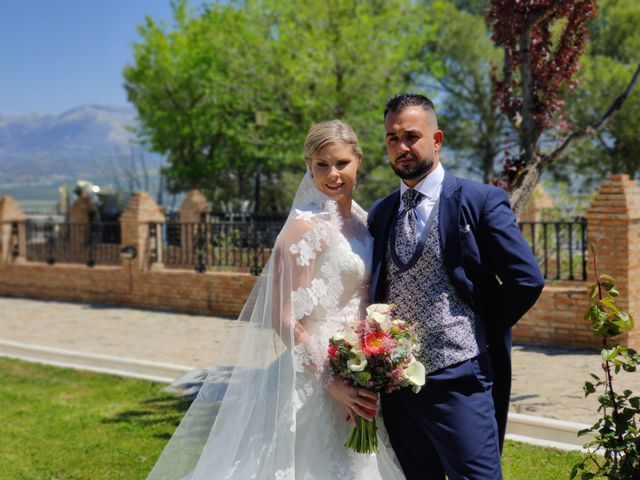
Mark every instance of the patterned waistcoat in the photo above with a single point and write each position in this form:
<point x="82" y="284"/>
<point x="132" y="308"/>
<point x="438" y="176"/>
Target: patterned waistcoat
<point x="446" y="326"/>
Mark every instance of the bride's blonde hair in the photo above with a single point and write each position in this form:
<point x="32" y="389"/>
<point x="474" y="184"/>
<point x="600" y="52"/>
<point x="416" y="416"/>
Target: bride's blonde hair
<point x="325" y="133"/>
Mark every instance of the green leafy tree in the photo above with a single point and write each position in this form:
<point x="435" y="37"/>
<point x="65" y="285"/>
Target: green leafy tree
<point x="196" y="89"/>
<point x="473" y="126"/>
<point x="612" y="56"/>
<point x="240" y="84"/>
<point x="543" y="42"/>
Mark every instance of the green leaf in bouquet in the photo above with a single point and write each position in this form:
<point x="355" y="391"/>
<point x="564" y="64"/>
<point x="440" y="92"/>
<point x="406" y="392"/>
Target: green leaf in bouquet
<point x="363" y="377"/>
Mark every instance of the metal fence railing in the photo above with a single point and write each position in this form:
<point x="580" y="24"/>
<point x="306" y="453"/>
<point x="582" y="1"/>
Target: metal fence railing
<point x="236" y="243"/>
<point x="220" y="245"/>
<point x="560" y="247"/>
<point x="95" y="243"/>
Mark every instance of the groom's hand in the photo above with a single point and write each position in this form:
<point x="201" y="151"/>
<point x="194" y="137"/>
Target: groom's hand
<point x="356" y="401"/>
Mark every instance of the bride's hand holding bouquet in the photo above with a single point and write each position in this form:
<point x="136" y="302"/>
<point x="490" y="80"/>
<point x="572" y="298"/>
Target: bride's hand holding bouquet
<point x="374" y="354"/>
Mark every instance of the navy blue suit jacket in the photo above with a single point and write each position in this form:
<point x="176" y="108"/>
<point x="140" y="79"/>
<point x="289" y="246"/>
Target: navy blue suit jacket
<point x="490" y="264"/>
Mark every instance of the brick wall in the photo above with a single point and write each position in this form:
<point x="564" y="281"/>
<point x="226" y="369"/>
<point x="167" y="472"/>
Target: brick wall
<point x="214" y="293"/>
<point x="557" y="318"/>
<point x="133" y="282"/>
<point x="613" y="227"/>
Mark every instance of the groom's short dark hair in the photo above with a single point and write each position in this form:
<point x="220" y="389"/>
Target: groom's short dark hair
<point x="403" y="101"/>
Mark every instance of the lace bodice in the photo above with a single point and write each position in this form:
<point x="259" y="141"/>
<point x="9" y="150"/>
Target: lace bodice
<point x="340" y="273"/>
<point x="330" y="266"/>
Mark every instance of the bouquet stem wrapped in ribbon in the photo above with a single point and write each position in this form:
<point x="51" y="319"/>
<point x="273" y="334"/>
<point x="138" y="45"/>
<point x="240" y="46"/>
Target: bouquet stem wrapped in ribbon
<point x="376" y="353"/>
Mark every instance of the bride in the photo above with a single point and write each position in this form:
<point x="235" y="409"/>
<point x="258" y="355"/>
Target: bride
<point x="282" y="415"/>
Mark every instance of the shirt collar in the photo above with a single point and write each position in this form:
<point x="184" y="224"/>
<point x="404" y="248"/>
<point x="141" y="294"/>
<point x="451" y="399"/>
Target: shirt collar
<point x="430" y="185"/>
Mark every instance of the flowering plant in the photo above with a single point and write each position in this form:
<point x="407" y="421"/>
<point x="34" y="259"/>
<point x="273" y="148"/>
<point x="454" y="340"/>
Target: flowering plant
<point x="376" y="353"/>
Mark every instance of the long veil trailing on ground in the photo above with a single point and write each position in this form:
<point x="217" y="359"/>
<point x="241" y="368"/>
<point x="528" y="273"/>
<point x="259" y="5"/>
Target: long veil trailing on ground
<point x="247" y="424"/>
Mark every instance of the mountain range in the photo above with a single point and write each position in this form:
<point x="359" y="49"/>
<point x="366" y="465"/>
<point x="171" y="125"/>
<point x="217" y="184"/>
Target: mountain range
<point x="79" y="143"/>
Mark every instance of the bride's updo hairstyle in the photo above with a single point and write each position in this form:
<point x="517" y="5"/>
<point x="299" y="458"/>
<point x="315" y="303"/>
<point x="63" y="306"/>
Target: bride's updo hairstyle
<point x="326" y="133"/>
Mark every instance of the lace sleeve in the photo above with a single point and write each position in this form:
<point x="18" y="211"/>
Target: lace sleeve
<point x="302" y="287"/>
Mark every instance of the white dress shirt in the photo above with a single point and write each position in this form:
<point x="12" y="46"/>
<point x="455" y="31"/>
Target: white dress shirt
<point x="430" y="186"/>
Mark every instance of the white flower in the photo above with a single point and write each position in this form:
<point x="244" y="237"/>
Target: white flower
<point x="381" y="319"/>
<point x="380" y="308"/>
<point x="415" y="373"/>
<point x="349" y="336"/>
<point x="381" y="314"/>
<point x="358" y="363"/>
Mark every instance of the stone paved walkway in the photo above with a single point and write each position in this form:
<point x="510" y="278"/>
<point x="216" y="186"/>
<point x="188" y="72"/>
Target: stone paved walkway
<point x="546" y="381"/>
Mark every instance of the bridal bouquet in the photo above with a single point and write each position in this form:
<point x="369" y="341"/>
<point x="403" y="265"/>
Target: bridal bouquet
<point x="377" y="353"/>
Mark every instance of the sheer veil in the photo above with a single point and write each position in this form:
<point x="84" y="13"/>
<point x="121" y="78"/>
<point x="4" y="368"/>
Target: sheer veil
<point x="244" y="421"/>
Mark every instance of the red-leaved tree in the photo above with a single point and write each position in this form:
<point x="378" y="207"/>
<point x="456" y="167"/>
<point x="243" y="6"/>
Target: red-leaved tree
<point x="543" y="41"/>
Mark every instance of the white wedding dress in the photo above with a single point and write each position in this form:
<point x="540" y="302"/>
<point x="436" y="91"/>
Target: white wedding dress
<point x="275" y="418"/>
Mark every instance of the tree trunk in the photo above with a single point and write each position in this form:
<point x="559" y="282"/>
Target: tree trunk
<point x="525" y="183"/>
<point x="528" y="137"/>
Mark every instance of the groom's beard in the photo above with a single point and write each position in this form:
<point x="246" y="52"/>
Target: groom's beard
<point x="419" y="169"/>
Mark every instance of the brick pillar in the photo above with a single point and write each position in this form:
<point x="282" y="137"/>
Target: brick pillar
<point x="11" y="218"/>
<point x="80" y="213"/>
<point x="193" y="209"/>
<point x="613" y="226"/>
<point x="134" y="223"/>
<point x="193" y="206"/>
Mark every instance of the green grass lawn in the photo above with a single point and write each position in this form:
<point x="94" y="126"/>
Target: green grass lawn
<point x="61" y="424"/>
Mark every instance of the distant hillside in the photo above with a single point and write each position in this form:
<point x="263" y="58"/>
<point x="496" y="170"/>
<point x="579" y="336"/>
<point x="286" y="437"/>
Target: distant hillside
<point x="79" y="143"/>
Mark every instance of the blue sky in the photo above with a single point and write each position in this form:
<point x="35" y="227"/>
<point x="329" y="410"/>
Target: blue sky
<point x="58" y="54"/>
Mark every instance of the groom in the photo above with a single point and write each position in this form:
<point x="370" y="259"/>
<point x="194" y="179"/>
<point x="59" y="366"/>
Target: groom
<point x="449" y="254"/>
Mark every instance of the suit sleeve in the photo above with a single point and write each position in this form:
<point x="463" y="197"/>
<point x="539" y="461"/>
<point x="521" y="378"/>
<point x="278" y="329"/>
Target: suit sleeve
<point x="510" y="256"/>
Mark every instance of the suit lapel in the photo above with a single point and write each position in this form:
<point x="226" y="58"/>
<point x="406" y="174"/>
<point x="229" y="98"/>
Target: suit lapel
<point x="449" y="221"/>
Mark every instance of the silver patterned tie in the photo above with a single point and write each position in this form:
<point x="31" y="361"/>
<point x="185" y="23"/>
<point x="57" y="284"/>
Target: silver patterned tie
<point x="406" y="233"/>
